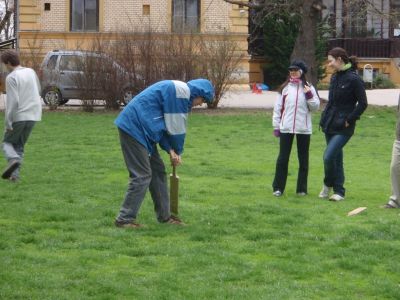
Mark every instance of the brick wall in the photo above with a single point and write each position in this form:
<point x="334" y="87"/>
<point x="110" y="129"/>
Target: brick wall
<point x="128" y="14"/>
<point x="115" y="15"/>
<point x="56" y="19"/>
<point x="215" y="16"/>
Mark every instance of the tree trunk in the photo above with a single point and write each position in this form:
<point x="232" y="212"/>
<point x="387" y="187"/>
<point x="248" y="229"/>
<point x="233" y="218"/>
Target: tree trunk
<point x="305" y="45"/>
<point x="6" y="18"/>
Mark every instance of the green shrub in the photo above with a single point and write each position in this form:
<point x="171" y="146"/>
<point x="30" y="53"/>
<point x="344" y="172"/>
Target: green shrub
<point x="381" y="82"/>
<point x="280" y="32"/>
<point x="323" y="86"/>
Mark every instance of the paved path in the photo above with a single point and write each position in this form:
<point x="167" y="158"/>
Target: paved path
<point x="247" y="99"/>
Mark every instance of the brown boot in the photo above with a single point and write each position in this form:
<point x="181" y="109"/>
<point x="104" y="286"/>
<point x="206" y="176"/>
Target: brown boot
<point x="174" y="220"/>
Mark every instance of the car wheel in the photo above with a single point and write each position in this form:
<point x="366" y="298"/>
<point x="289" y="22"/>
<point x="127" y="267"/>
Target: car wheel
<point x="52" y="96"/>
<point x="127" y="95"/>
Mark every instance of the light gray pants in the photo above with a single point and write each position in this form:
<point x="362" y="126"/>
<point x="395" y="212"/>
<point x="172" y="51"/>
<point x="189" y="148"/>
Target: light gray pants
<point x="145" y="172"/>
<point x="14" y="142"/>
<point x="395" y="175"/>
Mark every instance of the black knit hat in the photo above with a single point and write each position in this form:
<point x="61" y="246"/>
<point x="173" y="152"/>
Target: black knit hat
<point x="298" y="64"/>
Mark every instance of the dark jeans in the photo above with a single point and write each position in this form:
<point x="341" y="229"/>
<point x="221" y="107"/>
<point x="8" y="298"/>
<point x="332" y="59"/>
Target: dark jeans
<point x="14" y="142"/>
<point x="281" y="172"/>
<point x="145" y="172"/>
<point x="333" y="162"/>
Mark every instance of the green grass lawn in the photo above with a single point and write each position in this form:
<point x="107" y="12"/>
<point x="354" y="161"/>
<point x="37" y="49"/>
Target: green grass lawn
<point x="57" y="239"/>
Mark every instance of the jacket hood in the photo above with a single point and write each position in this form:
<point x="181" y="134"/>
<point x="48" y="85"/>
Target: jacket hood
<point x="201" y="88"/>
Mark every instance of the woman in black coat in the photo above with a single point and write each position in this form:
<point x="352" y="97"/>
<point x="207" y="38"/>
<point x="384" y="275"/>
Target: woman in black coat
<point x="347" y="101"/>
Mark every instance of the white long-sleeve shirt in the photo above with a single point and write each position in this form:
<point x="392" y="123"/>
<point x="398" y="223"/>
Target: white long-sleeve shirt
<point x="292" y="111"/>
<point x="23" y="101"/>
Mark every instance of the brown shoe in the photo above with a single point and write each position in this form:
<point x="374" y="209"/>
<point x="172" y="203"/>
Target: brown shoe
<point x="174" y="220"/>
<point x="12" y="166"/>
<point x="127" y="225"/>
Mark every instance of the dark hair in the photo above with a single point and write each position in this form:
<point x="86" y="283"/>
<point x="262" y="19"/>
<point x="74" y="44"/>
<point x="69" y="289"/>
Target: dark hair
<point x="299" y="64"/>
<point x="11" y="57"/>
<point x="340" y="52"/>
<point x="282" y="86"/>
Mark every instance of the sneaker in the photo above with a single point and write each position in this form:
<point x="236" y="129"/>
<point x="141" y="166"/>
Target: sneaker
<point x="12" y="166"/>
<point x="325" y="191"/>
<point x="336" y="197"/>
<point x="277" y="193"/>
<point x="391" y="204"/>
<point x="387" y="205"/>
<point x="126" y="225"/>
<point x="174" y="220"/>
<point x="301" y="194"/>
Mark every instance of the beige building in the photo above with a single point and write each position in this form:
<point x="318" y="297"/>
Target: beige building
<point x="45" y="25"/>
<point x="368" y="33"/>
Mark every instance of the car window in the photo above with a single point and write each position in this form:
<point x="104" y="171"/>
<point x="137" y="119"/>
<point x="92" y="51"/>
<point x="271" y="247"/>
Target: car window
<point x="51" y="65"/>
<point x="71" y="63"/>
<point x="94" y="60"/>
<point x="98" y="63"/>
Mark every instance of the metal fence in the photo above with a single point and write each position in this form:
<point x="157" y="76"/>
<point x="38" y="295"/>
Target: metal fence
<point x="8" y="44"/>
<point x="380" y="48"/>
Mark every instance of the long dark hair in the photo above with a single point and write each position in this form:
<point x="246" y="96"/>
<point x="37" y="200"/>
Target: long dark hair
<point x="303" y="79"/>
<point x="340" y="52"/>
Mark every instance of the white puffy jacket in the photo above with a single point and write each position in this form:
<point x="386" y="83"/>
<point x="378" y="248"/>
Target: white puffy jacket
<point x="292" y="111"/>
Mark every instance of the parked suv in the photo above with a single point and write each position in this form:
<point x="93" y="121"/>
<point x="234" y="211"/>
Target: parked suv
<point x="61" y="70"/>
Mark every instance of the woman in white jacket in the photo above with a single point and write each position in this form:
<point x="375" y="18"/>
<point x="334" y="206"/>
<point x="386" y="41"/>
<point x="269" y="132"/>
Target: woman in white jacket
<point x="292" y="117"/>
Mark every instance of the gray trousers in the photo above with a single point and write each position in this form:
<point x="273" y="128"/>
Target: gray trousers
<point x="145" y="172"/>
<point x="395" y="175"/>
<point x="14" y="142"/>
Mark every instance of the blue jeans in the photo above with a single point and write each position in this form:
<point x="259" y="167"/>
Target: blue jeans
<point x="333" y="162"/>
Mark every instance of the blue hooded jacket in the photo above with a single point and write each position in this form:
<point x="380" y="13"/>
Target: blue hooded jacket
<point x="159" y="113"/>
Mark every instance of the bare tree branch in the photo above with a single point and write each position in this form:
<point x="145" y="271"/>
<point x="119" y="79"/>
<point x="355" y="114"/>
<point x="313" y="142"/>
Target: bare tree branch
<point x="6" y="18"/>
<point x="7" y="22"/>
<point x="267" y="6"/>
<point x="245" y="3"/>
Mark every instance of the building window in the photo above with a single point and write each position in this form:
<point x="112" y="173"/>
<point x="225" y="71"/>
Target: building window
<point x="84" y="15"/>
<point x="51" y="65"/>
<point x="395" y="22"/>
<point x="355" y="16"/>
<point x="146" y="10"/>
<point x="185" y="15"/>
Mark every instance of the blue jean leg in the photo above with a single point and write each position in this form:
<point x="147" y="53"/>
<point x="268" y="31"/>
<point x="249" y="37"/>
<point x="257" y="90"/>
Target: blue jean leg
<point x="333" y="162"/>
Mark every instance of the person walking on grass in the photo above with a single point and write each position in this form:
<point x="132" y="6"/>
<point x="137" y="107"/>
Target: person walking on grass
<point x="157" y="115"/>
<point x="292" y="118"/>
<point x="394" y="199"/>
<point x="23" y="109"/>
<point x="347" y="101"/>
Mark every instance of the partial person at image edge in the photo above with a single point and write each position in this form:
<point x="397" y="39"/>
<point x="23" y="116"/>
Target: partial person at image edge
<point x="292" y="118"/>
<point x="23" y="109"/>
<point x="158" y="115"/>
<point x="346" y="102"/>
<point x="394" y="199"/>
